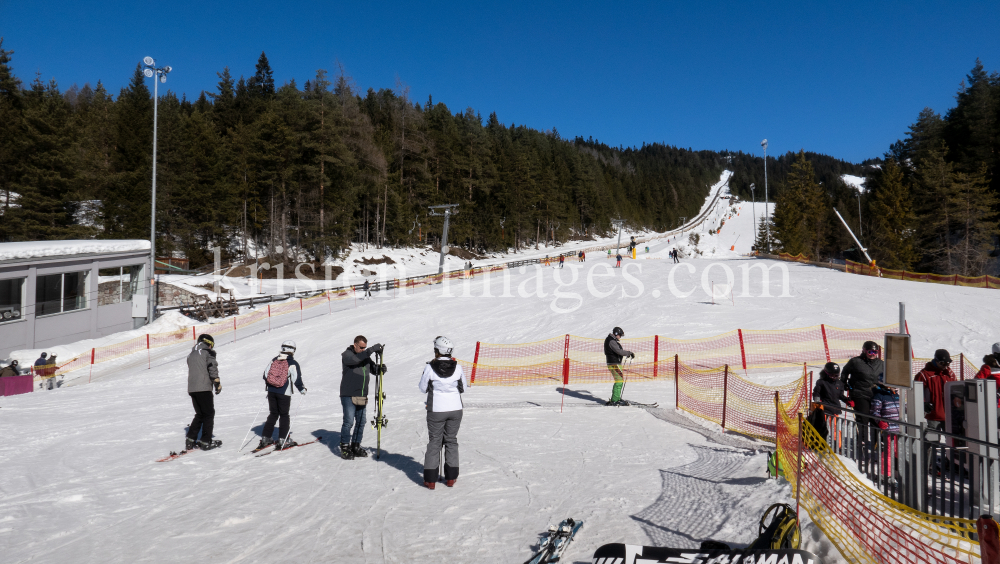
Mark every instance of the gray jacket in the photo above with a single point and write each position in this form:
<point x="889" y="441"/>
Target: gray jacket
<point x="203" y="368"/>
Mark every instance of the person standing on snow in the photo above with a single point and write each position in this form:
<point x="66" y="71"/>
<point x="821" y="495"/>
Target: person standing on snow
<point x="562" y="260"/>
<point x="10" y="370"/>
<point x="203" y="376"/>
<point x="367" y="288"/>
<point x="885" y="404"/>
<point x="614" y="354"/>
<point x="619" y="258"/>
<point x="358" y="368"/>
<point x="282" y="373"/>
<point x="443" y="380"/>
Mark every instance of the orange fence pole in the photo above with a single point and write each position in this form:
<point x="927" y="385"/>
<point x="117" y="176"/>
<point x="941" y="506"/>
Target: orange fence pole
<point x="92" y="354"/>
<point x="475" y="363"/>
<point x="566" y="363"/>
<point x="743" y="352"/>
<point x="268" y="318"/>
<point x="826" y="345"/>
<point x="149" y="358"/>
<point x="677" y="383"/>
<point x="234" y="328"/>
<point x="656" y="355"/>
<point x="301" y="315"/>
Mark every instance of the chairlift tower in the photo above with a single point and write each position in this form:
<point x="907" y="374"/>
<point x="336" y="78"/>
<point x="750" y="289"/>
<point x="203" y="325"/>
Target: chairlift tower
<point x="447" y="210"/>
<point x="618" y="223"/>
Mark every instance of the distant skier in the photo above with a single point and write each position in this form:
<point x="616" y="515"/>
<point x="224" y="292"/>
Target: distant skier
<point x="367" y="288"/>
<point x="614" y="354"/>
<point x="282" y="373"/>
<point x="675" y="256"/>
<point x="203" y="376"/>
<point x="562" y="261"/>
<point x="358" y="368"/>
<point x="619" y="259"/>
<point x="10" y="370"/>
<point x="444" y="383"/>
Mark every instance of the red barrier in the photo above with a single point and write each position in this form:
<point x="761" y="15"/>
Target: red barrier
<point x="14" y="385"/>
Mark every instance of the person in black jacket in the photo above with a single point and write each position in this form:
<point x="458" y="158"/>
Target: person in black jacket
<point x="862" y="374"/>
<point x="358" y="368"/>
<point x="829" y="389"/>
<point x="614" y="354"/>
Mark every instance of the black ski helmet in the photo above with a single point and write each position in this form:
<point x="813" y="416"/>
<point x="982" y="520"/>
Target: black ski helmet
<point x="207" y="339"/>
<point x="618" y="332"/>
<point x="832" y="370"/>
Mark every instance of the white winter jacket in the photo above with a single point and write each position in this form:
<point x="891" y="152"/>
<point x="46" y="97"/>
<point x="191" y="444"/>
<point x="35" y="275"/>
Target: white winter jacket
<point x="444" y="382"/>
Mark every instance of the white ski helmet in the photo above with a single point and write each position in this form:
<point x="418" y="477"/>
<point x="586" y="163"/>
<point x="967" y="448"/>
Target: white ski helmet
<point x="443" y="346"/>
<point x="288" y="347"/>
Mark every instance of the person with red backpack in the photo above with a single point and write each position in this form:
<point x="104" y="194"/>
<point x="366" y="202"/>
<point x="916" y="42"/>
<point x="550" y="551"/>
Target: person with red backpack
<point x="282" y="373"/>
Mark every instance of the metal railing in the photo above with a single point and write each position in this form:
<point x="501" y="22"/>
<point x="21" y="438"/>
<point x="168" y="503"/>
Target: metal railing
<point x="923" y="468"/>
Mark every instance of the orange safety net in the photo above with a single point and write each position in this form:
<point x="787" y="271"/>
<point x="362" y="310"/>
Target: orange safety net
<point x="864" y="525"/>
<point x="983" y="281"/>
<point x="734" y="403"/>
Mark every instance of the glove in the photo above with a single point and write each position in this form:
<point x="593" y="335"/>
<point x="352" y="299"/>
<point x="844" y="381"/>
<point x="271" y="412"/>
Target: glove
<point x="631" y="355"/>
<point x="377" y="347"/>
<point x="383" y="369"/>
<point x="928" y="406"/>
<point x="303" y="391"/>
<point x="218" y="386"/>
<point x="850" y="404"/>
<point x="883" y="425"/>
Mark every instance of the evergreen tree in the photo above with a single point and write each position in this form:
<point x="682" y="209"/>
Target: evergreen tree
<point x="891" y="219"/>
<point x="12" y="136"/>
<point x="801" y="211"/>
<point x="127" y="195"/>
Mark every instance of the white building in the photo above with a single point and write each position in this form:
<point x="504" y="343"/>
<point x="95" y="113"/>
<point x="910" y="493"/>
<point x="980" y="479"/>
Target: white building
<point x="58" y="292"/>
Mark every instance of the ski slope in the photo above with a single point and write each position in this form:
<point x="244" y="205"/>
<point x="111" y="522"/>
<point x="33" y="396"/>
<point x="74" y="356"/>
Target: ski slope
<point x="80" y="482"/>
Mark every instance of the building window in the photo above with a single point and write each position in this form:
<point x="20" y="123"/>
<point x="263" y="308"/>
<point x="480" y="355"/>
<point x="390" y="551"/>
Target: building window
<point x="11" y="299"/>
<point x="118" y="284"/>
<point x="57" y="293"/>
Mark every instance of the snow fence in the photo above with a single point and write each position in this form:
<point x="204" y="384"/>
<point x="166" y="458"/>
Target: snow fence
<point x="864" y="525"/>
<point x="984" y="281"/>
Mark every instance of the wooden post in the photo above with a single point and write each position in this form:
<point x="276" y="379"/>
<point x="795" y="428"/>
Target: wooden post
<point x="677" y="383"/>
<point x="725" y="392"/>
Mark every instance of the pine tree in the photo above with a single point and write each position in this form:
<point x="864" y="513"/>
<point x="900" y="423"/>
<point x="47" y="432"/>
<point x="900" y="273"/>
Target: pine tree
<point x="12" y="137"/>
<point x="127" y="195"/>
<point x="891" y="218"/>
<point x="801" y="210"/>
<point x="936" y="210"/>
<point x="975" y="216"/>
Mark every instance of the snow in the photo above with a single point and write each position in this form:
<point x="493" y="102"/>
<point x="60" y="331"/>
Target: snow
<point x="857" y="182"/>
<point x="81" y="478"/>
<point x="46" y="249"/>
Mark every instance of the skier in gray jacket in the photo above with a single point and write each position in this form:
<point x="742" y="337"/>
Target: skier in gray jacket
<point x="203" y="376"/>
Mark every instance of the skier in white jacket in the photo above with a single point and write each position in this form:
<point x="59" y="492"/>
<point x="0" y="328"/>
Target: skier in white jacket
<point x="444" y="383"/>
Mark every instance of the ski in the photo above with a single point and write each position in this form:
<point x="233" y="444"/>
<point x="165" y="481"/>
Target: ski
<point x="633" y="554"/>
<point x="380" y="420"/>
<point x="556" y="541"/>
<point x="272" y="451"/>
<point x="630" y="403"/>
<point x="175" y="455"/>
<point x="258" y="450"/>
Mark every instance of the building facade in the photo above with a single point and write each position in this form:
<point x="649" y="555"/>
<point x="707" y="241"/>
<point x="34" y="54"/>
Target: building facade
<point x="58" y="292"/>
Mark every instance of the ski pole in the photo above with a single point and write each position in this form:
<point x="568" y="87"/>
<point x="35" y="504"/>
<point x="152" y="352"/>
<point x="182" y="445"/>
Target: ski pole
<point x="624" y="377"/>
<point x="288" y="435"/>
<point x="251" y="424"/>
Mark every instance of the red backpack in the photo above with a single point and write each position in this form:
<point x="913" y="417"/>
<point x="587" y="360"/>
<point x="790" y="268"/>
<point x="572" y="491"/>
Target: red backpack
<point x="277" y="373"/>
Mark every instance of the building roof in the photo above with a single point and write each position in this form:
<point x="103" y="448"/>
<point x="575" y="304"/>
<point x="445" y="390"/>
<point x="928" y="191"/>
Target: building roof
<point x="52" y="249"/>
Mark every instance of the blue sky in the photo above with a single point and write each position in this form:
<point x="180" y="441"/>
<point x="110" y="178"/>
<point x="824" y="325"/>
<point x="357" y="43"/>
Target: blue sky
<point x="843" y="78"/>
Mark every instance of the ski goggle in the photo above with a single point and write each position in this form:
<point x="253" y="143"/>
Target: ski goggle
<point x="871" y="352"/>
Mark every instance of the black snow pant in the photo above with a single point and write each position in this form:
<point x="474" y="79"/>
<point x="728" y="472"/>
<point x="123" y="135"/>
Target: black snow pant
<point x="442" y="428"/>
<point x="863" y="405"/>
<point x="279" y="405"/>
<point x="204" y="416"/>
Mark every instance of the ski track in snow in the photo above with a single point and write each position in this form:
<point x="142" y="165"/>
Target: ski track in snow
<point x="81" y="482"/>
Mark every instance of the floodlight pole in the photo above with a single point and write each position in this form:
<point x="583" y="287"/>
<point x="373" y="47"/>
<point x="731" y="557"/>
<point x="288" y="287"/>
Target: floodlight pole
<point x="753" y="196"/>
<point x="158" y="74"/>
<point x="767" y="215"/>
<point x="447" y="213"/>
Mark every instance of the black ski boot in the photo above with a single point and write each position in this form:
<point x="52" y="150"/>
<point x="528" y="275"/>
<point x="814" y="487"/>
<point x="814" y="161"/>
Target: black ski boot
<point x="264" y="443"/>
<point x="345" y="451"/>
<point x="358" y="451"/>
<point x="189" y="444"/>
<point x="287" y="443"/>
<point x="208" y="445"/>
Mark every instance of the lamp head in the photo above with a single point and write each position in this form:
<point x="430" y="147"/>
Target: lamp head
<point x="163" y="79"/>
<point x="764" y="144"/>
<point x="148" y="61"/>
<point x="168" y="68"/>
<point x="148" y="73"/>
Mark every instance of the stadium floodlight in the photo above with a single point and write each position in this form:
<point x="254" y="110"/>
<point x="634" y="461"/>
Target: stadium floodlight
<point x="753" y="196"/>
<point x="168" y="68"/>
<point x="767" y="215"/>
<point x="152" y="71"/>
